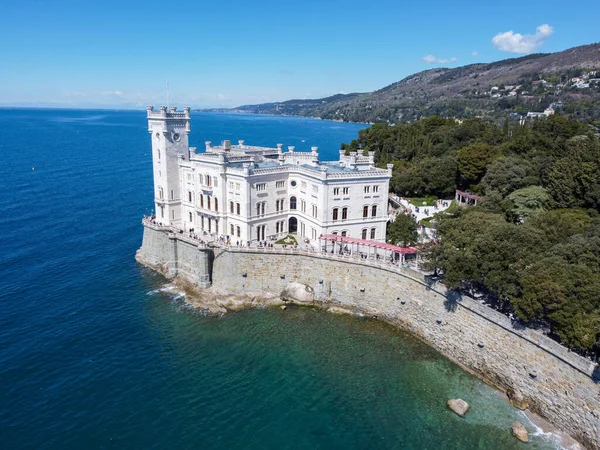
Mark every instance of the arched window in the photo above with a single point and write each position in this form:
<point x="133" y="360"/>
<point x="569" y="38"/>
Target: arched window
<point x="189" y="196"/>
<point x="262" y="210"/>
<point x="216" y="205"/>
<point x="374" y="211"/>
<point x="239" y="232"/>
<point x="208" y="202"/>
<point x="365" y="211"/>
<point x="258" y="209"/>
<point x="161" y="193"/>
<point x="191" y="218"/>
<point x="201" y="201"/>
<point x="364" y="233"/>
<point x="335" y="213"/>
<point x="237" y="208"/>
<point x="344" y="213"/>
<point x="231" y="208"/>
<point x="373" y="233"/>
<point x="231" y="228"/>
<point x="344" y="233"/>
<point x="292" y="202"/>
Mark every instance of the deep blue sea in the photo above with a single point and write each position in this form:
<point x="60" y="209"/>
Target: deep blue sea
<point x="97" y="352"/>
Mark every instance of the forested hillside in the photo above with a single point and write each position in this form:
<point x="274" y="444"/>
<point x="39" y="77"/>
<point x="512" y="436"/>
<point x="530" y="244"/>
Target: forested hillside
<point x="493" y="90"/>
<point x="532" y="246"/>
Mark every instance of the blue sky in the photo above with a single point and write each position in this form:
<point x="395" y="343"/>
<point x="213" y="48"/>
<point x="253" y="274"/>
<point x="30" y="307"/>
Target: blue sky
<point x="227" y="53"/>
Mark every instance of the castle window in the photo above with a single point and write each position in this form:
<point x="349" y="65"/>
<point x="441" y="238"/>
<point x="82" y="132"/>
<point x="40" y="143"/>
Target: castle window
<point x="365" y="211"/>
<point x="367" y="189"/>
<point x="231" y="186"/>
<point x="344" y="213"/>
<point x="231" y="207"/>
<point x="161" y="193"/>
<point x="335" y="214"/>
<point x="216" y="205"/>
<point x="189" y="196"/>
<point x="261" y="186"/>
<point x="263" y="207"/>
<point x="280" y="184"/>
<point x="336" y="191"/>
<point x="216" y="227"/>
<point x="345" y="191"/>
<point x="292" y="202"/>
<point x="201" y="201"/>
<point x="237" y="208"/>
<point x="191" y="218"/>
<point x="374" y="211"/>
<point x="314" y="210"/>
<point x="344" y="233"/>
<point x="375" y="188"/>
<point x="208" y="202"/>
<point x="239" y="232"/>
<point x="215" y="182"/>
<point x="173" y="214"/>
<point x="373" y="233"/>
<point x="364" y="233"/>
<point x="258" y="209"/>
<point x="162" y="212"/>
<point x="172" y="194"/>
<point x="231" y="228"/>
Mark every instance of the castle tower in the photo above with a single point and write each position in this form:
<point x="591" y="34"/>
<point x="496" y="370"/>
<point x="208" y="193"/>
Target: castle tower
<point x="169" y="131"/>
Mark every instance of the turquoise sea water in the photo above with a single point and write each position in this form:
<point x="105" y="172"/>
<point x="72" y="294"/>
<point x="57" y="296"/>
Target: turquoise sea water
<point x="97" y="352"/>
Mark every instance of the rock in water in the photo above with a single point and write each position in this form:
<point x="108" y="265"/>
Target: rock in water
<point x="516" y="399"/>
<point x="519" y="431"/>
<point x="458" y="405"/>
<point x="298" y="292"/>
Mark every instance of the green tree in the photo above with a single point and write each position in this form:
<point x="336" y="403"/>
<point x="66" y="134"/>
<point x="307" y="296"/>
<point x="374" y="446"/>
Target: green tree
<point x="402" y="231"/>
<point x="473" y="159"/>
<point x="507" y="174"/>
<point x="523" y="203"/>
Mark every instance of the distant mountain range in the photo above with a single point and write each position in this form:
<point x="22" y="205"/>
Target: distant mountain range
<point x="517" y="86"/>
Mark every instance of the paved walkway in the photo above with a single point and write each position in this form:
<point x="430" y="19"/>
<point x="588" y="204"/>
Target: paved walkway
<point x="422" y="212"/>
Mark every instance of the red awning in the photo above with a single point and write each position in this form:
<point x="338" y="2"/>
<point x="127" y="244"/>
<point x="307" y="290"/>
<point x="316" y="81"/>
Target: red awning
<point x="382" y="245"/>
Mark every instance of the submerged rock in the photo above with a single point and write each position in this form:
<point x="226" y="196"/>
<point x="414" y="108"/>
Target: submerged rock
<point x="458" y="405"/>
<point x="519" y="431"/>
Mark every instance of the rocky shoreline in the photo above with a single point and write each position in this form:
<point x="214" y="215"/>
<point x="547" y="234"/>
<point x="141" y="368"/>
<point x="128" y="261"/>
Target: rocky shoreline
<point x="218" y="301"/>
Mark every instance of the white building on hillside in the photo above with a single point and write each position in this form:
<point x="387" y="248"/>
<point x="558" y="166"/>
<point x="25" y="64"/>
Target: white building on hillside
<point x="258" y="193"/>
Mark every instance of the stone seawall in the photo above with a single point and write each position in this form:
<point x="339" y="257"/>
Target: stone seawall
<point x="556" y="383"/>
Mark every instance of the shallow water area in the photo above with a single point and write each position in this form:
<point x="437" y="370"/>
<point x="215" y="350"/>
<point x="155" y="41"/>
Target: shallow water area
<point x="98" y="352"/>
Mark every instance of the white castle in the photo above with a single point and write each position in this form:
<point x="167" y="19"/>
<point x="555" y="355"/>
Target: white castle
<point x="258" y="193"/>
